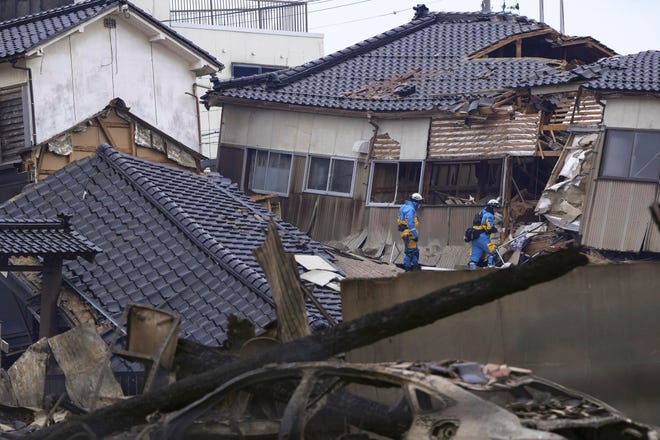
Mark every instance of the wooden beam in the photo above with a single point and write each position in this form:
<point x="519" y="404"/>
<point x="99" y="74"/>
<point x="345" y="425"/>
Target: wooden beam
<point x="519" y="48"/>
<point x="50" y="291"/>
<point x="106" y="132"/>
<point x="483" y="52"/>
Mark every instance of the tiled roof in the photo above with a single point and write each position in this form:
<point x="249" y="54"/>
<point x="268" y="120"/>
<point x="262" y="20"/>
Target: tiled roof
<point x="43" y="237"/>
<point x="429" y="53"/>
<point x="621" y="73"/>
<point x="19" y="35"/>
<point x="170" y="239"/>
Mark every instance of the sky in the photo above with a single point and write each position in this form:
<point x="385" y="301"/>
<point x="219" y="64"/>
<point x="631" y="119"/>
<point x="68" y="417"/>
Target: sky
<point x="626" y="26"/>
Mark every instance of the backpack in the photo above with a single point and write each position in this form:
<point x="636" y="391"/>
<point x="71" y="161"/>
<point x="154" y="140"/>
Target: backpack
<point x="476" y="221"/>
<point x="471" y="234"/>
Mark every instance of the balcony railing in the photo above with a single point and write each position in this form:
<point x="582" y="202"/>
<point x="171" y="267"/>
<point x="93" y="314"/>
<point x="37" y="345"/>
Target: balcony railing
<point x="276" y="15"/>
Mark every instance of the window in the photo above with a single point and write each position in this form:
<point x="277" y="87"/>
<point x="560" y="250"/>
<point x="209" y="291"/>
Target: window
<point x="462" y="180"/>
<point x="633" y="155"/>
<point x="329" y="175"/>
<point x="241" y="70"/>
<point x="269" y="172"/>
<point x="393" y="182"/>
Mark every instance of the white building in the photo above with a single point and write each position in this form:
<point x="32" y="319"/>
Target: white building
<point x="249" y="39"/>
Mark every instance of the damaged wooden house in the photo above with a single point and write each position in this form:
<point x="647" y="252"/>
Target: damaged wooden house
<point x="608" y="174"/>
<point x="164" y="238"/>
<point x="430" y="107"/>
<point x="92" y="72"/>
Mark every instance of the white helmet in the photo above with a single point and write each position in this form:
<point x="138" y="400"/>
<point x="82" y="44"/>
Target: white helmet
<point x="495" y="203"/>
<point x="417" y="197"/>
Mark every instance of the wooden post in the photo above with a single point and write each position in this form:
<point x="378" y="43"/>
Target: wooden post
<point x="50" y="290"/>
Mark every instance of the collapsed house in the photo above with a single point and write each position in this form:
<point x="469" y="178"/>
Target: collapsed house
<point x="608" y="174"/>
<point x="430" y="107"/>
<point x="169" y="239"/>
<point x="59" y="68"/>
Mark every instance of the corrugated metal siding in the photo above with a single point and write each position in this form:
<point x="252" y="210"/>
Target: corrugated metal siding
<point x="620" y="216"/>
<point x="385" y="147"/>
<point x="494" y="137"/>
<point x="12" y="127"/>
<point x="652" y="243"/>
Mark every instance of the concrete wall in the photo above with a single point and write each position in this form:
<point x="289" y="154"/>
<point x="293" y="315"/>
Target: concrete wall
<point x="595" y="329"/>
<point x="79" y="74"/>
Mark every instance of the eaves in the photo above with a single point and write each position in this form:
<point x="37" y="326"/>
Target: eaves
<point x="218" y="101"/>
<point x="200" y="63"/>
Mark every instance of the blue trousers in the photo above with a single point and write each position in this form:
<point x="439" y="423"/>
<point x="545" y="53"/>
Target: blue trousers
<point x="410" y="257"/>
<point x="479" y="249"/>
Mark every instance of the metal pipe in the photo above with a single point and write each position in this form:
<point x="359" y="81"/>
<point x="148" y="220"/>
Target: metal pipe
<point x="561" y="16"/>
<point x="541" y="18"/>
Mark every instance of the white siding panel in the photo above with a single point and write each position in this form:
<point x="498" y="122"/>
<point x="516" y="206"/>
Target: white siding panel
<point x="235" y="125"/>
<point x="411" y="134"/>
<point x="633" y="112"/>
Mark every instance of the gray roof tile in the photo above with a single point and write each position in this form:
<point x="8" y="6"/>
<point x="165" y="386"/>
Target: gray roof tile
<point x="19" y="35"/>
<point x="151" y="256"/>
<point x="362" y="77"/>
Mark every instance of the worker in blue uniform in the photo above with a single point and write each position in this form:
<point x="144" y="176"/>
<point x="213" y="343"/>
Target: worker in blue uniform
<point x="408" y="224"/>
<point x="482" y="245"/>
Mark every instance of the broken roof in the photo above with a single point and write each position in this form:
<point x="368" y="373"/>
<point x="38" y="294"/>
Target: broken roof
<point x="171" y="239"/>
<point x="427" y="64"/>
<point x="21" y="35"/>
<point x="636" y="73"/>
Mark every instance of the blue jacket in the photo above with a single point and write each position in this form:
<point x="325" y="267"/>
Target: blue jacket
<point x="408" y="214"/>
<point x="487" y="220"/>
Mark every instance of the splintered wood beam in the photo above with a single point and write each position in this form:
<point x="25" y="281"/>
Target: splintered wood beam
<point x="286" y="288"/>
<point x="346" y="336"/>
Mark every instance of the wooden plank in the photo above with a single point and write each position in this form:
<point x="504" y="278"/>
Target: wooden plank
<point x="285" y="287"/>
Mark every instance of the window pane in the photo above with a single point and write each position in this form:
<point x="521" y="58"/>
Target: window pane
<point x="279" y="166"/>
<point x="383" y="184"/>
<point x="617" y="153"/>
<point x="259" y="170"/>
<point x="409" y="174"/>
<point x="342" y="176"/>
<point x="317" y="176"/>
<point x="645" y="162"/>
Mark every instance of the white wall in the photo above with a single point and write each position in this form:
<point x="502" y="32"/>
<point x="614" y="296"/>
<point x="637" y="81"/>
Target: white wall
<point x="78" y="75"/>
<point x="306" y="133"/>
<point x="632" y="112"/>
<point x="302" y="133"/>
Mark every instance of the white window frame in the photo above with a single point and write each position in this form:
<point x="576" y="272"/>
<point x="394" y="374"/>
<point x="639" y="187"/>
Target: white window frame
<point x="327" y="185"/>
<point x="249" y="163"/>
<point x="396" y="187"/>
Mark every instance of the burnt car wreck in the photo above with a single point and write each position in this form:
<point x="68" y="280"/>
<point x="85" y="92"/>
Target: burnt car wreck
<point x="451" y="399"/>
